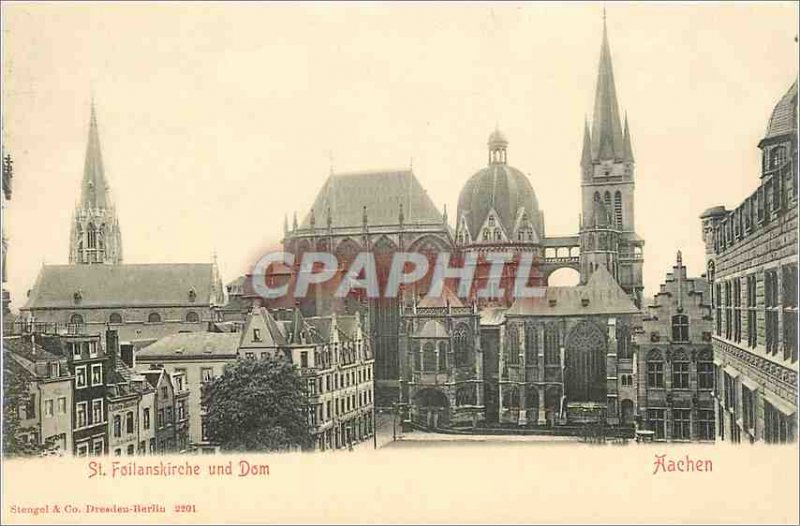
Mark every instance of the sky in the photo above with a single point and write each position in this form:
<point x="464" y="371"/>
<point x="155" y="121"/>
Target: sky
<point x="218" y="120"/>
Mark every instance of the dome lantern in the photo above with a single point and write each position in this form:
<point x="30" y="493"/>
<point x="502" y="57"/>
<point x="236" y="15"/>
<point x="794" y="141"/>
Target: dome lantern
<point x="497" y="147"/>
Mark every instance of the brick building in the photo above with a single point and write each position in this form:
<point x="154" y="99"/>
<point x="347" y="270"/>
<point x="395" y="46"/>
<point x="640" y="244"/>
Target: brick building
<point x="674" y="377"/>
<point x="752" y="256"/>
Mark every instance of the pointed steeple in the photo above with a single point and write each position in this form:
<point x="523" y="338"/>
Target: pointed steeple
<point x="95" y="236"/>
<point x="627" y="151"/>
<point x="607" y="141"/>
<point x="586" y="156"/>
<point x="94" y="189"/>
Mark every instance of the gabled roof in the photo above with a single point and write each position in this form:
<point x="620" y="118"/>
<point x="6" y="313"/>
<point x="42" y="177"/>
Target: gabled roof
<point x="270" y="333"/>
<point x="447" y="297"/>
<point x="604" y="295"/>
<point x="432" y="329"/>
<point x="108" y="286"/>
<point x="192" y="345"/>
<point x="382" y="193"/>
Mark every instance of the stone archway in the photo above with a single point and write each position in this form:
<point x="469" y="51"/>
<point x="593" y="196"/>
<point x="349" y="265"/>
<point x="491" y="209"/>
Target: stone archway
<point x="431" y="408"/>
<point x="586" y="364"/>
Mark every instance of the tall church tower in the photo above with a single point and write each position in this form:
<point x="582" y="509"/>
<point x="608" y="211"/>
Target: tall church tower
<point x="608" y="235"/>
<point x="95" y="236"/>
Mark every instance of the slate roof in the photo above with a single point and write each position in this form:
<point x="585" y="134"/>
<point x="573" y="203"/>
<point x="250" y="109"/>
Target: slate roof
<point x="500" y="187"/>
<point x="381" y="192"/>
<point x="193" y="344"/>
<point x="783" y="120"/>
<point x="150" y="285"/>
<point x="605" y="297"/>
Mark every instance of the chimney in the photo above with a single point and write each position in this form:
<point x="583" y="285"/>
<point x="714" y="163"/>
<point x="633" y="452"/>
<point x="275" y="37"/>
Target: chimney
<point x="127" y="355"/>
<point x="112" y="348"/>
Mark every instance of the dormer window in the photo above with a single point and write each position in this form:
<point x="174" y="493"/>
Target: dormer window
<point x="491" y="220"/>
<point x="256" y="335"/>
<point x="78" y="296"/>
<point x="486" y="234"/>
<point x="192" y="295"/>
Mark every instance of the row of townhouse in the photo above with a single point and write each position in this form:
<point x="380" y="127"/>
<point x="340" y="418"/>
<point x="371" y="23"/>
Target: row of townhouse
<point x="84" y="399"/>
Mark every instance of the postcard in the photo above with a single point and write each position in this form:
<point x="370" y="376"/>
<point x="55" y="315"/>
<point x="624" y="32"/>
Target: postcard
<point x="400" y="263"/>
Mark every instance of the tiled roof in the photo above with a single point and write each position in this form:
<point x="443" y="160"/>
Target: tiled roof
<point x="783" y="120"/>
<point x="125" y="286"/>
<point x="346" y="195"/>
<point x="193" y="344"/>
<point x="604" y="295"/>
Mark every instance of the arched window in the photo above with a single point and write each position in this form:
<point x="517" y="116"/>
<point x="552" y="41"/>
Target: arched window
<point x="154" y="317"/>
<point x="192" y="317"/>
<point x="76" y="319"/>
<point x="429" y="357"/>
<point x="117" y="426"/>
<point x="680" y="370"/>
<point x="511" y="397"/>
<point x="486" y="234"/>
<point x="618" y="208"/>
<point x="91" y="237"/>
<point x="552" y="354"/>
<point x="101" y="235"/>
<point x="607" y="201"/>
<point x="512" y="345"/>
<point x="624" y="342"/>
<point x="461" y="345"/>
<point x="491" y="221"/>
<point x="597" y="196"/>
<point x="115" y="317"/>
<point x="655" y="369"/>
<point x="531" y="344"/>
<point x="129" y="422"/>
<point x="497" y="234"/>
<point x="442" y="356"/>
<point x="680" y="328"/>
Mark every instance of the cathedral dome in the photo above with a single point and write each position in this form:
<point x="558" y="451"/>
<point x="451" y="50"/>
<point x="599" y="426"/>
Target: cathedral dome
<point x="498" y="202"/>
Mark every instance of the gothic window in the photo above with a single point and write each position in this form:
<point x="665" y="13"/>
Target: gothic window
<point x="618" y="208"/>
<point x="680" y="328"/>
<point x="429" y="357"/>
<point x="624" y="347"/>
<point x="596" y="197"/>
<point x="551" y="347"/>
<point x="461" y="345"/>
<point x="585" y="369"/>
<point x="655" y="369"/>
<point x="91" y="237"/>
<point x="531" y="344"/>
<point x="115" y="318"/>
<point x="101" y="235"/>
<point x="416" y="359"/>
<point x="511" y="397"/>
<point x="154" y="317"/>
<point x="442" y="356"/>
<point x="512" y="345"/>
<point x="192" y="317"/>
<point x="680" y="371"/>
<point x="607" y="200"/>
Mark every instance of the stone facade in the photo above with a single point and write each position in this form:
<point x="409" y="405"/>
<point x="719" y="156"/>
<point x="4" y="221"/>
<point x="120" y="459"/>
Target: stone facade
<point x="674" y="377"/>
<point x="752" y="263"/>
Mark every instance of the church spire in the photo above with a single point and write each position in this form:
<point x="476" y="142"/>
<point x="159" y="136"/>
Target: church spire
<point x="607" y="140"/>
<point x="586" y="156"/>
<point x="94" y="189"/>
<point x="627" y="151"/>
<point x="95" y="236"/>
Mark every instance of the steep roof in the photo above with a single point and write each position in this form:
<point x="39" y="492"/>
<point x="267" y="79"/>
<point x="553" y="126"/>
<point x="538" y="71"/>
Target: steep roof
<point x="125" y="286"/>
<point x="270" y="332"/>
<point x="192" y="344"/>
<point x="382" y="193"/>
<point x="604" y="295"/>
<point x="94" y="188"/>
<point x="447" y="297"/>
<point x="607" y="136"/>
<point x="783" y="120"/>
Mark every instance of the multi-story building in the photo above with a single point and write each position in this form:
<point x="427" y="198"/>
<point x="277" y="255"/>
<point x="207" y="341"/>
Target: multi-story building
<point x="46" y="417"/>
<point x="199" y="357"/>
<point x="171" y="410"/>
<point x="333" y="356"/>
<point x="751" y="256"/>
<point x="674" y="375"/>
<point x="96" y="290"/>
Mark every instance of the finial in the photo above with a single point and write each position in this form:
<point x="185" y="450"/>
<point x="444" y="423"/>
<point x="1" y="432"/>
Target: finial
<point x="364" y="216"/>
<point x="329" y="220"/>
<point x="444" y="214"/>
<point x="401" y="215"/>
<point x="313" y="219"/>
<point x="680" y="258"/>
<point x="294" y="221"/>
